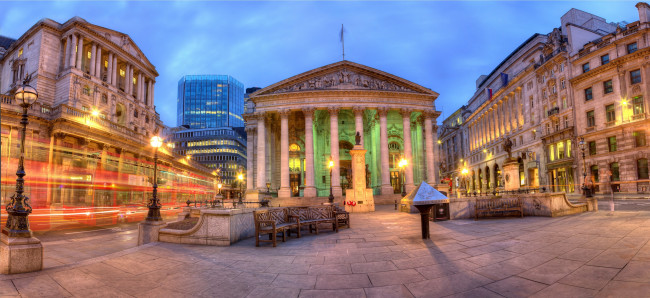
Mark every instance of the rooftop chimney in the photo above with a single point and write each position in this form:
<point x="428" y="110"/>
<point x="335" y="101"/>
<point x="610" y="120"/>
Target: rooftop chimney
<point x="644" y="12"/>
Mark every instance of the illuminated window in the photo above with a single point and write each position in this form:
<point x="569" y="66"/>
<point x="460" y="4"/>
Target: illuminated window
<point x="592" y="148"/>
<point x="134" y="80"/>
<point x="294" y="148"/>
<point x="637" y="105"/>
<point x="611" y="143"/>
<point x="560" y="150"/>
<point x="106" y="63"/>
<point x="568" y="148"/>
<point x="89" y="55"/>
<point x="610" y="113"/>
<point x="20" y="53"/>
<point x="122" y="73"/>
<point x="551" y="152"/>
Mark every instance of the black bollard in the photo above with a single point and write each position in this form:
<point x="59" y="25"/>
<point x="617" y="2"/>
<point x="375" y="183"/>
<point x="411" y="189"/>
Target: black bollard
<point x="395" y="204"/>
<point x="424" y="217"/>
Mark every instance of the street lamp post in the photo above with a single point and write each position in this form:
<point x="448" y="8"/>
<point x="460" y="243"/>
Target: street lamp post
<point x="240" y="177"/>
<point x="464" y="186"/>
<point x="402" y="165"/>
<point x="585" y="189"/>
<point x="331" y="197"/>
<point x="19" y="208"/>
<point x="154" y="204"/>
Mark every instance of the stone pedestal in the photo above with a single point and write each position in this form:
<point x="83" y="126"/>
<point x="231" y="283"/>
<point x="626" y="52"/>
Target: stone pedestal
<point x="443" y="188"/>
<point x="284" y="192"/>
<point x="20" y="255"/>
<point x="359" y="194"/>
<point x="148" y="231"/>
<point x="511" y="174"/>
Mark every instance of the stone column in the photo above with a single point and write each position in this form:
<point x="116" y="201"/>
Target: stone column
<point x="138" y="86"/>
<point x="428" y="131"/>
<point x="261" y="151"/>
<point x="68" y="52"/>
<point x="285" y="190"/>
<point x="115" y="70"/>
<point x="408" y="152"/>
<point x="250" y="151"/>
<point x="386" y="188"/>
<point x="153" y="85"/>
<point x="436" y="154"/>
<point x="334" y="151"/>
<point x="93" y="59"/>
<point x="310" y="188"/>
<point x="109" y="69"/>
<point x="80" y="52"/>
<point x="148" y="99"/>
<point x="358" y="121"/>
<point x="99" y="66"/>
<point x="73" y="50"/>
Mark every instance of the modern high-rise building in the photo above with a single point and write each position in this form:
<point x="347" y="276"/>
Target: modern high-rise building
<point x="210" y="101"/>
<point x="210" y="125"/>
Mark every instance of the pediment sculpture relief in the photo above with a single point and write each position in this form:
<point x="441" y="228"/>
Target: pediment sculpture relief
<point x="343" y="79"/>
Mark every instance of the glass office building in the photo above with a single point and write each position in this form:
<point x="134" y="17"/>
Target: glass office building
<point x="210" y="101"/>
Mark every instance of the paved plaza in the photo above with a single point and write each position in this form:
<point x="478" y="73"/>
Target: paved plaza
<point x="382" y="255"/>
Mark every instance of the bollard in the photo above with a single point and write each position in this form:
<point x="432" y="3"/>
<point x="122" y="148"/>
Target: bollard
<point x="395" y="204"/>
<point x="424" y="218"/>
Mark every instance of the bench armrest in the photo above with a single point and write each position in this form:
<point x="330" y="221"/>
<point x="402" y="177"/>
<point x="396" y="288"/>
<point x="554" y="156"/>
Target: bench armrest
<point x="272" y="222"/>
<point x="297" y="217"/>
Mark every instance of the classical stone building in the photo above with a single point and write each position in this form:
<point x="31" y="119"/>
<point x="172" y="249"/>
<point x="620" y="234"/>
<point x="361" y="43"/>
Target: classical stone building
<point x="585" y="80"/>
<point x="295" y="127"/>
<point x="453" y="140"/>
<point x="611" y="85"/>
<point x="89" y="132"/>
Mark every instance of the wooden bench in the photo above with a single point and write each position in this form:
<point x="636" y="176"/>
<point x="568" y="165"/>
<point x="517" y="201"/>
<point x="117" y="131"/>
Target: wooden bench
<point x="500" y="206"/>
<point x="313" y="216"/>
<point x="273" y="221"/>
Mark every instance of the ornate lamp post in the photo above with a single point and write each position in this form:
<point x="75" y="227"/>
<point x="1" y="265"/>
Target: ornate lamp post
<point x="464" y="185"/>
<point x="240" y="178"/>
<point x="331" y="197"/>
<point x="19" y="208"/>
<point x="402" y="165"/>
<point x="154" y="204"/>
<point x="585" y="189"/>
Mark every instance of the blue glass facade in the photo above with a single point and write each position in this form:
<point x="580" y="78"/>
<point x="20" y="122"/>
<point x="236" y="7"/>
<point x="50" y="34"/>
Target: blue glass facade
<point x="210" y="101"/>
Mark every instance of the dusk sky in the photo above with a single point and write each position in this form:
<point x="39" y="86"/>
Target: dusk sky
<point x="444" y="46"/>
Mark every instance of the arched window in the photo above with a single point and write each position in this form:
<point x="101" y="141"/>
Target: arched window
<point x="104" y="98"/>
<point x="642" y="168"/>
<point x="86" y="90"/>
<point x="135" y="113"/>
<point x="294" y="148"/>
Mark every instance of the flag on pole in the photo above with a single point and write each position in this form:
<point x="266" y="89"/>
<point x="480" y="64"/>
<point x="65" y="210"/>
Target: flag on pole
<point x="342" y="41"/>
<point x="488" y="91"/>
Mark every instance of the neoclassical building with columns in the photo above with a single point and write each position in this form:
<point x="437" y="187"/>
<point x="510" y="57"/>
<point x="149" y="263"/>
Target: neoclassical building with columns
<point x="296" y="126"/>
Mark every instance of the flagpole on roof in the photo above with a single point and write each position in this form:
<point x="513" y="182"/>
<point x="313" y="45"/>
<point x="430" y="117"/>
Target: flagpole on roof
<point x="342" y="41"/>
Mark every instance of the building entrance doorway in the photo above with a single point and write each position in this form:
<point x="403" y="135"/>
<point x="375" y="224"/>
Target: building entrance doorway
<point x="294" y="183"/>
<point x="396" y="181"/>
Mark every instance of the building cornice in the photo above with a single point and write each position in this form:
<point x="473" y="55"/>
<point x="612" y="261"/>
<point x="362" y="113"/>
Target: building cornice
<point x="613" y="64"/>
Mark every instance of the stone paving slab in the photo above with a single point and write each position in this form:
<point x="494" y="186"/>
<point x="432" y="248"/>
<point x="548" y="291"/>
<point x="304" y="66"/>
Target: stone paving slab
<point x="383" y="255"/>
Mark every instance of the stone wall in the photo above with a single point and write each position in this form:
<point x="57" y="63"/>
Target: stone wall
<point x="541" y="204"/>
<point x="218" y="227"/>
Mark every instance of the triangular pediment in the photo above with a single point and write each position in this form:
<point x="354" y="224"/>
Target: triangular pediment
<point x="122" y="40"/>
<point x="344" y="75"/>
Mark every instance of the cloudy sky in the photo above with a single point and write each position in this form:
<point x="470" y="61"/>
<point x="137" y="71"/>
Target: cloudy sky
<point x="444" y="46"/>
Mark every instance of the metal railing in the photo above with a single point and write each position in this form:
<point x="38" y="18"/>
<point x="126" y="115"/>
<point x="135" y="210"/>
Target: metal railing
<point x="498" y="192"/>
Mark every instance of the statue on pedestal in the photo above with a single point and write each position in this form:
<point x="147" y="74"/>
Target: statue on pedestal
<point x="357" y="138"/>
<point x="507" y="146"/>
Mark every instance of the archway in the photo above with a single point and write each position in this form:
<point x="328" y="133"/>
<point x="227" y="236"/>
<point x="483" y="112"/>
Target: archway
<point x="480" y="180"/>
<point x="497" y="176"/>
<point x="345" y="164"/>
<point x="394" y="156"/>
